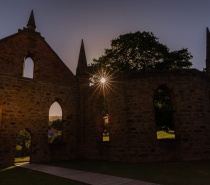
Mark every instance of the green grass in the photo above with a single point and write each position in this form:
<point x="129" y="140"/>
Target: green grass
<point x="167" y="173"/>
<point x="165" y="135"/>
<point x="22" y="159"/>
<point x="19" y="176"/>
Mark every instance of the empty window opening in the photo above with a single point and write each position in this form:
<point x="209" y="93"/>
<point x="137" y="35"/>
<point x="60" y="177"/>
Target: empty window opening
<point x="105" y="116"/>
<point x="23" y="147"/>
<point x="55" y="125"/>
<point x="106" y="127"/>
<point x="28" y="68"/>
<point x="163" y="114"/>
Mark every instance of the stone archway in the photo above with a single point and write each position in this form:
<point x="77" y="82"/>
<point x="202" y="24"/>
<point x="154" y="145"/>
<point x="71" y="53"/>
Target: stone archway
<point x="55" y="125"/>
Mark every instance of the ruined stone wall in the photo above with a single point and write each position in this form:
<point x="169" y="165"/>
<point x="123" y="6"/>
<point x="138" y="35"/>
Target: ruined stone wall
<point x="25" y="105"/>
<point x="132" y="121"/>
<point x="25" y="102"/>
<point x="48" y="66"/>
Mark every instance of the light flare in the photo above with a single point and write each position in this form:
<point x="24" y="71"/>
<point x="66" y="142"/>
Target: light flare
<point x="103" y="81"/>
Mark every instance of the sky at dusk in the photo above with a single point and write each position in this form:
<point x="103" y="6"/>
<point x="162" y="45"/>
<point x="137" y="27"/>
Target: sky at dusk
<point x="64" y="23"/>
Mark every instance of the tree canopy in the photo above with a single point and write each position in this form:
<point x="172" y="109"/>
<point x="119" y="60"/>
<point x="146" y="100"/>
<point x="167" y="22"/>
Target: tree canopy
<point x="23" y="143"/>
<point x="141" y="51"/>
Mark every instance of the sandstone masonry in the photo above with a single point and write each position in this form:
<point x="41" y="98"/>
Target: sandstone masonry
<point x="25" y="103"/>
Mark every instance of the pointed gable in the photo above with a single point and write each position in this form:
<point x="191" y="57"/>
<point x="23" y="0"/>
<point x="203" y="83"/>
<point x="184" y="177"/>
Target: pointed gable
<point x="31" y="22"/>
<point x="27" y="42"/>
<point x="82" y="62"/>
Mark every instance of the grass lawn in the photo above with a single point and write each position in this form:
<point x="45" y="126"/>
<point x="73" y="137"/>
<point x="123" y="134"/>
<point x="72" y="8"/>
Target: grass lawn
<point x="165" y="135"/>
<point x="22" y="159"/>
<point x="19" y="176"/>
<point x="173" y="173"/>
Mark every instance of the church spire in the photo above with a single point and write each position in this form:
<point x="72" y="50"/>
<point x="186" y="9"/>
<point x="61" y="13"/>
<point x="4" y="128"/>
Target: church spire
<point x="82" y="62"/>
<point x="207" y="52"/>
<point x="31" y="22"/>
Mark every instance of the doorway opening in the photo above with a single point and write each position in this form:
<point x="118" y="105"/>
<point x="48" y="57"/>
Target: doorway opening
<point x="163" y="113"/>
<point x="23" y="147"/>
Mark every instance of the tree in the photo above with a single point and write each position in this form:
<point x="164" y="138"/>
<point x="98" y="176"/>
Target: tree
<point x="141" y="51"/>
<point x="56" y="124"/>
<point x="55" y="131"/>
<point x="23" y="143"/>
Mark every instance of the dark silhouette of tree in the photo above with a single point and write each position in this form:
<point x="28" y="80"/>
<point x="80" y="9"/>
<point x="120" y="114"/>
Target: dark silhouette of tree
<point x="56" y="124"/>
<point x="55" y="131"/>
<point x="141" y="51"/>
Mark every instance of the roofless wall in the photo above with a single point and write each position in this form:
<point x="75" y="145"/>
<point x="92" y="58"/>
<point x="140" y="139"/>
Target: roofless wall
<point x="118" y="124"/>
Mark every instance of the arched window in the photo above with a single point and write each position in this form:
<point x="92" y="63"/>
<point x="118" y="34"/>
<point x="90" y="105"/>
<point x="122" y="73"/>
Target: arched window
<point x="28" y="68"/>
<point x="23" y="146"/>
<point x="163" y="113"/>
<point x="55" y="126"/>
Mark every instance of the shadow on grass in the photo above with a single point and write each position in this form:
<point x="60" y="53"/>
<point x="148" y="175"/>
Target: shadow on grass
<point x="168" y="173"/>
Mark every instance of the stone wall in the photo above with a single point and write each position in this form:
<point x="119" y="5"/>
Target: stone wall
<point x="132" y="121"/>
<point x="25" y="102"/>
<point x="25" y="105"/>
<point x="48" y="66"/>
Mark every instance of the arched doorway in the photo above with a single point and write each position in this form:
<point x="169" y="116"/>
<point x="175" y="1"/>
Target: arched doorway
<point x="55" y="126"/>
<point x="23" y="147"/>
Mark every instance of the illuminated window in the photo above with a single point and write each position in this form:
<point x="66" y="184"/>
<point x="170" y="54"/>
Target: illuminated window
<point x="28" y="68"/>
<point x="55" y="126"/>
<point x="163" y="114"/>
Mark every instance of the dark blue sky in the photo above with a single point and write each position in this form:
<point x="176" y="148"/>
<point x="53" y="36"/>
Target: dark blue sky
<point x="64" y="23"/>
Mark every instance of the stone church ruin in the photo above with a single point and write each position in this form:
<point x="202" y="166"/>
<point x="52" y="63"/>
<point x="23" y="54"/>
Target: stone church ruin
<point x="115" y="125"/>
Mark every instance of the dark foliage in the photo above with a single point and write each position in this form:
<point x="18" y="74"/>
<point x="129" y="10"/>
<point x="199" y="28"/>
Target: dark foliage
<point x="141" y="51"/>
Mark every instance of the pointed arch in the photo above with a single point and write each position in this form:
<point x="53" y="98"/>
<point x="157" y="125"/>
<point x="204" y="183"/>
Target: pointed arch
<point x="28" y="68"/>
<point x="163" y="113"/>
<point x="55" y="125"/>
<point x="55" y="109"/>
